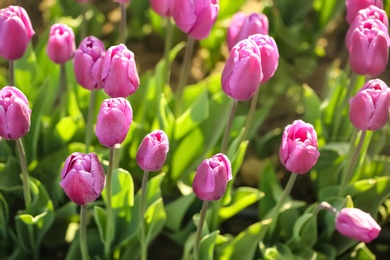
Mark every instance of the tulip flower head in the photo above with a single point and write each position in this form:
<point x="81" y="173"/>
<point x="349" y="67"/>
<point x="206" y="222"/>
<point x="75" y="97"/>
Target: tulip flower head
<point x="152" y="152"/>
<point x="299" y="149"/>
<point x="83" y="178"/>
<point x="88" y="61"/>
<point x="369" y="108"/>
<point x="196" y="17"/>
<point x="119" y="72"/>
<point x="113" y="122"/>
<point x="61" y="45"/>
<point x="163" y="7"/>
<point x="211" y="177"/>
<point x="369" y="48"/>
<point x="269" y="55"/>
<point x="242" y="73"/>
<point x="15" y="32"/>
<point x="15" y="113"/>
<point x="354" y="6"/>
<point x="242" y="26"/>
<point x="357" y="224"/>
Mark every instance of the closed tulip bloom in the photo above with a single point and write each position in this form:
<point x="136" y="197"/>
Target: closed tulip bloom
<point x="269" y="55"/>
<point x="299" y="149"/>
<point x="354" y="6"/>
<point x="83" y="178"/>
<point x="196" y="17"/>
<point x="119" y="72"/>
<point x="242" y="73"/>
<point x="163" y="7"/>
<point x="357" y="224"/>
<point x="369" y="108"/>
<point x="152" y="151"/>
<point x="61" y="45"/>
<point x="14" y="113"/>
<point x="369" y="49"/>
<point x="113" y="121"/>
<point x="242" y="26"/>
<point x="88" y="61"/>
<point x="211" y="177"/>
<point x="15" y="32"/>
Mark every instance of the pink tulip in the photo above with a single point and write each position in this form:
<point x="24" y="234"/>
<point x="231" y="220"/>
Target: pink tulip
<point x="242" y="73"/>
<point x="357" y="224"/>
<point x="83" y="178"/>
<point x="113" y="122"/>
<point x="211" y="177"/>
<point x="15" y="32"/>
<point x="269" y="55"/>
<point x="163" y="7"/>
<point x="369" y="108"/>
<point x="152" y="152"/>
<point x="354" y="6"/>
<point x="88" y="61"/>
<point x="298" y="151"/>
<point x="196" y="17"/>
<point x="369" y="49"/>
<point x="242" y="26"/>
<point x="14" y="113"/>
<point x="119" y="72"/>
<point x="61" y="45"/>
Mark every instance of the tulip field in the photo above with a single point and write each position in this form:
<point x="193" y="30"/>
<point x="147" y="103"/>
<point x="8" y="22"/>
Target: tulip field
<point x="194" y="129"/>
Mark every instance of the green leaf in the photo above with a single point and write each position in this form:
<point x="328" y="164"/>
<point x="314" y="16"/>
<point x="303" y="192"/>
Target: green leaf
<point x="155" y="218"/>
<point x="176" y="211"/>
<point x="100" y="216"/>
<point x="311" y="103"/>
<point x="270" y="186"/>
<point x="66" y="128"/>
<point x="207" y="245"/>
<point x="122" y="190"/>
<point x="305" y="231"/>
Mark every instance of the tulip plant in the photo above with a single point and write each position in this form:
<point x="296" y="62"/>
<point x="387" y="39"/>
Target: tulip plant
<point x="103" y="157"/>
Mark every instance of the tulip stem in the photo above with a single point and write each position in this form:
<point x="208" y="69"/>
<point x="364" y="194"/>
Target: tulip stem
<point x="122" y="33"/>
<point x="23" y="166"/>
<point x="109" y="224"/>
<point x="11" y="73"/>
<point x="200" y="228"/>
<point x="83" y="232"/>
<point x="184" y="73"/>
<point x="352" y="161"/>
<point x="89" y="126"/>
<point x="167" y="48"/>
<point x="252" y="109"/>
<point x="228" y="127"/>
<point x="144" y="244"/>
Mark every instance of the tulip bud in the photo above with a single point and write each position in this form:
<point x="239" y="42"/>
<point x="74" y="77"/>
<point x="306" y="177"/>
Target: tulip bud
<point x="163" y="7"/>
<point x="354" y="6"/>
<point x="299" y="149"/>
<point x="369" y="49"/>
<point x="242" y="74"/>
<point x="119" y="72"/>
<point x="269" y="55"/>
<point x="14" y="113"/>
<point x="196" y="17"/>
<point x="15" y="32"/>
<point x="113" y="121"/>
<point x="369" y="108"/>
<point x="357" y="224"/>
<point x="88" y="61"/>
<point x="61" y="45"/>
<point x="152" y="151"/>
<point x="242" y="26"/>
<point x="211" y="177"/>
<point x="83" y="178"/>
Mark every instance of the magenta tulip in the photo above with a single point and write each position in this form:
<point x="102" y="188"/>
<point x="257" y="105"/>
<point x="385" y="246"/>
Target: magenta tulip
<point x="15" y="32"/>
<point x="298" y="151"/>
<point x="15" y="113"/>
<point x="83" y="178"/>
<point x="113" y="122"/>
<point x="354" y="6"/>
<point x="163" y="7"/>
<point x="119" y="72"/>
<point x="61" y="45"/>
<point x="152" y="152"/>
<point x="357" y="224"/>
<point x="211" y="177"/>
